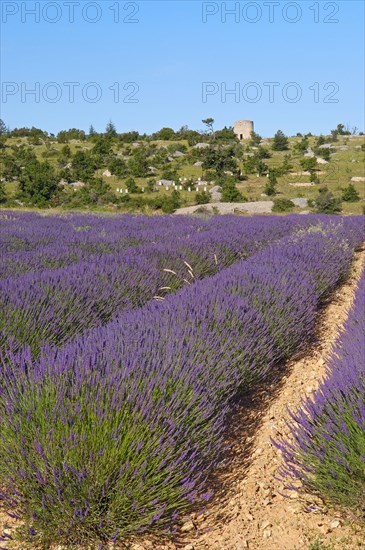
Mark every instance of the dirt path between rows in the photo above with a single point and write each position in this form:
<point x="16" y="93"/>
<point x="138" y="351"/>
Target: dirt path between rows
<point x="249" y="510"/>
<point x="253" y="512"/>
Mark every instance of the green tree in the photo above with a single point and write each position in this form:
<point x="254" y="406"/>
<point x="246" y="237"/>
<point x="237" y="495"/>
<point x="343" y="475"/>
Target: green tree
<point x="261" y="167"/>
<point x="209" y="124"/>
<point x="225" y="135"/>
<point x="342" y="131"/>
<point x="64" y="136"/>
<point x="255" y="139"/>
<point x="83" y="166"/>
<point x="323" y="153"/>
<point x="302" y="145"/>
<point x="99" y="186"/>
<point x="138" y="164"/>
<point x="254" y="164"/>
<point x="334" y="135"/>
<point x="3" y="134"/>
<point x="349" y="193"/>
<point x="38" y="183"/>
<point x="202" y="197"/>
<point x="24" y="155"/>
<point x="169" y="172"/>
<point x="28" y="132"/>
<point x="176" y="199"/>
<point x="110" y="130"/>
<point x="10" y="168"/>
<point x="3" y="128"/>
<point x="102" y="147"/>
<point x="169" y="203"/>
<point x="270" y="187"/>
<point x="3" y="194"/>
<point x="65" y="174"/>
<point x="313" y="176"/>
<point x="192" y="136"/>
<point x="262" y="153"/>
<point x="131" y="185"/>
<point x="308" y="163"/>
<point x="66" y="152"/>
<point x="230" y="192"/>
<point x="282" y="205"/>
<point x="321" y="140"/>
<point x="286" y="166"/>
<point x="221" y="160"/>
<point x="118" y="167"/>
<point x="326" y="203"/>
<point x="97" y="191"/>
<point x="165" y="134"/>
<point x="129" y="137"/>
<point x="280" y="142"/>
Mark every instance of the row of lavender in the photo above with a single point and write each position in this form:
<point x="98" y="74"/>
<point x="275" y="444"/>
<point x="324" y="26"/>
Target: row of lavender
<point x="116" y="432"/>
<point x="31" y="242"/>
<point x="327" y="452"/>
<point x="53" y="305"/>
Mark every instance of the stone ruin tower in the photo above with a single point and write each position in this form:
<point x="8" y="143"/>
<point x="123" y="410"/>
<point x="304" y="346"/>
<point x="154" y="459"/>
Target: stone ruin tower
<point x="243" y="129"/>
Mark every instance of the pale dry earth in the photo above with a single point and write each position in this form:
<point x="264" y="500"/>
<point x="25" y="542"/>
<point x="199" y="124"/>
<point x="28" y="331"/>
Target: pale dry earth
<point x="256" y="207"/>
<point x="252" y="509"/>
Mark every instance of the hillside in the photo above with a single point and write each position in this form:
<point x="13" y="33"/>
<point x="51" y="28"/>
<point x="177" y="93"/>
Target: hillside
<point x="114" y="173"/>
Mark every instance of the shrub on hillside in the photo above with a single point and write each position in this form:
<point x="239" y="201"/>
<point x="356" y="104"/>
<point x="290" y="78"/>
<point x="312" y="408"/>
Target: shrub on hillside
<point x="202" y="198"/>
<point x="270" y="187"/>
<point x="230" y="192"/>
<point x="349" y="193"/>
<point x="308" y="163"/>
<point x="282" y="205"/>
<point x="326" y="203"/>
<point x="280" y="142"/>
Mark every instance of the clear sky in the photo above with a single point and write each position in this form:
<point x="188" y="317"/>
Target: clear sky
<point x="297" y="66"/>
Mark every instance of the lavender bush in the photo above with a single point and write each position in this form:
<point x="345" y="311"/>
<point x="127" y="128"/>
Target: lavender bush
<point x="328" y="433"/>
<point x="53" y="305"/>
<point x="30" y="242"/>
<point x="116" y="432"/>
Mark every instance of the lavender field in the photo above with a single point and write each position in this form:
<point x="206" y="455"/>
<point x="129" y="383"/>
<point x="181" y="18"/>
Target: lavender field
<point x="124" y="342"/>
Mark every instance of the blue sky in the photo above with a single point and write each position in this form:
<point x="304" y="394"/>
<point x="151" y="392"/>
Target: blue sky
<point x="174" y="63"/>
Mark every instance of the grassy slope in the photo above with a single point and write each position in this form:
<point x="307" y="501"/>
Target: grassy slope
<point x="336" y="174"/>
